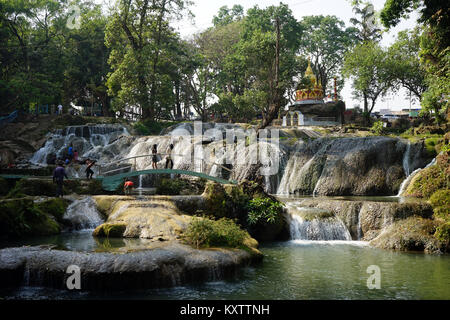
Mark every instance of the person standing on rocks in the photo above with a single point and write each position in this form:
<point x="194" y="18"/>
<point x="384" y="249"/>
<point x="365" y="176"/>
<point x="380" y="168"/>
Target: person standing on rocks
<point x="155" y="156"/>
<point x="169" y="161"/>
<point x="58" y="177"/>
<point x="89" y="172"/>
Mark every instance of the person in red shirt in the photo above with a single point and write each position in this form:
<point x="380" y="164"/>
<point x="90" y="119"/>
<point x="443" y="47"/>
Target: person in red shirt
<point x="128" y="186"/>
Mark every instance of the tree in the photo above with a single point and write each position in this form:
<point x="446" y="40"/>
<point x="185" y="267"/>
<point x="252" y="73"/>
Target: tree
<point x="370" y="68"/>
<point x="326" y="41"/>
<point x="226" y="16"/>
<point x="31" y="69"/>
<point x="87" y="61"/>
<point x="407" y="70"/>
<point x="367" y="23"/>
<point x="271" y="37"/>
<point x="435" y="41"/>
<point x="141" y="42"/>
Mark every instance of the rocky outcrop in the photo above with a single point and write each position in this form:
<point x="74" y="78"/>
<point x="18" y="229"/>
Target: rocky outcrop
<point x="411" y="234"/>
<point x="366" y="219"/>
<point x="165" y="265"/>
<point x="156" y="218"/>
<point x="350" y="166"/>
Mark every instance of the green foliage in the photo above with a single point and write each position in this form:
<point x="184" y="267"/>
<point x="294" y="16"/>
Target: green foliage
<point x="440" y="200"/>
<point x="378" y="128"/>
<point x="264" y="210"/>
<point x="370" y="68"/>
<point x="433" y="146"/>
<point x="32" y="188"/>
<point x="171" y="187"/>
<point x="443" y="232"/>
<point x="428" y="181"/>
<point x="204" y="232"/>
<point x="23" y="217"/>
<point x="54" y="207"/>
<point x="151" y="128"/>
<point x="328" y="58"/>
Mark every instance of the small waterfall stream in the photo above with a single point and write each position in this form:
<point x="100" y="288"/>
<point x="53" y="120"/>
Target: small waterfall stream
<point x="409" y="178"/>
<point x="83" y="214"/>
<point x="306" y="224"/>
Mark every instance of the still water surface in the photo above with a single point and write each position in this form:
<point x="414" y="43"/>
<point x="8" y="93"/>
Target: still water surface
<point x="290" y="271"/>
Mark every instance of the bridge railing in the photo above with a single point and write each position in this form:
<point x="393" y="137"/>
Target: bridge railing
<point x="134" y="165"/>
<point x="9" y="118"/>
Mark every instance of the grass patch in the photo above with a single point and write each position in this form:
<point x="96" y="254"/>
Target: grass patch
<point x="151" y="128"/>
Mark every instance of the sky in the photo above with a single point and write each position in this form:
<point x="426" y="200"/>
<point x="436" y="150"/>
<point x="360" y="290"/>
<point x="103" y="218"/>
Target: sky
<point x="205" y="10"/>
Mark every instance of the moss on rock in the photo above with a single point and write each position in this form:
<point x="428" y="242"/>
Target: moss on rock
<point x="54" y="207"/>
<point x="411" y="234"/>
<point x="110" y="230"/>
<point x="431" y="179"/>
<point x="23" y="217"/>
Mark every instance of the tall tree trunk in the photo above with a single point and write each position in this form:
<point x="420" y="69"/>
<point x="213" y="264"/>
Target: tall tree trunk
<point x="153" y="87"/>
<point x="274" y="106"/>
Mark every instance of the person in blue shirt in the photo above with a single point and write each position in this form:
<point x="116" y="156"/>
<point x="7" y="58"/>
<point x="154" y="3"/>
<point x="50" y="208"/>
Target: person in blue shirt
<point x="70" y="153"/>
<point x="58" y="177"/>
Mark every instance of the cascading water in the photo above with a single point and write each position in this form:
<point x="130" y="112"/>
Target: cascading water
<point x="408" y="179"/>
<point x="90" y="141"/>
<point x="83" y="214"/>
<point x="304" y="225"/>
<point x="406" y="159"/>
<point x="327" y="229"/>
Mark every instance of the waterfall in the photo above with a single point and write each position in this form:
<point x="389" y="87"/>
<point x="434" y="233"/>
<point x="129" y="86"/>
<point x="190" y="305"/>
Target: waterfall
<point x="83" y="214"/>
<point x="406" y="159"/>
<point x="359" y="229"/>
<point x="314" y="227"/>
<point x="93" y="142"/>
<point x="318" y="229"/>
<point x="408" y="179"/>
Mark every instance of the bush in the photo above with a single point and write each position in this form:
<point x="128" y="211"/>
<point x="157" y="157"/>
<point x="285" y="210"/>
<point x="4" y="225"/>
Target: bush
<point x="171" y="187"/>
<point x="264" y="210"/>
<point x="204" y="232"/>
<point x="377" y="128"/>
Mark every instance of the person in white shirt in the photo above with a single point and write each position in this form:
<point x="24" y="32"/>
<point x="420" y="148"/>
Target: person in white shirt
<point x="60" y="107"/>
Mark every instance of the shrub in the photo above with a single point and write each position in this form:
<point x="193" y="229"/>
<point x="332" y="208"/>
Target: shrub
<point x="204" y="232"/>
<point x="171" y="187"/>
<point x="377" y="128"/>
<point x="263" y="210"/>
